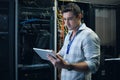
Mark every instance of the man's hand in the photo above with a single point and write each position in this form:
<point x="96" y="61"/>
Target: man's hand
<point x="57" y="62"/>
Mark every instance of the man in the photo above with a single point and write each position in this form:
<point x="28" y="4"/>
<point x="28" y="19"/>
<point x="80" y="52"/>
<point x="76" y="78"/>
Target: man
<point x="80" y="53"/>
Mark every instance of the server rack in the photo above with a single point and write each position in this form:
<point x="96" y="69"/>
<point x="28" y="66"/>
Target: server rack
<point x="25" y="24"/>
<point x="34" y="28"/>
<point x="7" y="40"/>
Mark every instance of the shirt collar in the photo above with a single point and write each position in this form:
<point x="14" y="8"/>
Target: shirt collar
<point x="82" y="27"/>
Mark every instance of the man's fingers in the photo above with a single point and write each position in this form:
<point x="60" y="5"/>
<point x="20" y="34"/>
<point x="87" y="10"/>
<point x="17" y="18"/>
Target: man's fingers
<point x="52" y="60"/>
<point x="59" y="57"/>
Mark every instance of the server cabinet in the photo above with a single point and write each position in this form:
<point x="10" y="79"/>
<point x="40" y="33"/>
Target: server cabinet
<point x="112" y="72"/>
<point x="35" y="29"/>
<point x="25" y="24"/>
<point x="118" y="29"/>
<point x="7" y="59"/>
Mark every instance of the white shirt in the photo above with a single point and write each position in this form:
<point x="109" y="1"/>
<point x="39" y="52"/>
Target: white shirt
<point x="85" y="47"/>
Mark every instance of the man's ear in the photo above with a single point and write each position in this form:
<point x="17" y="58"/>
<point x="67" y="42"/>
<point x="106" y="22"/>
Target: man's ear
<point x="80" y="16"/>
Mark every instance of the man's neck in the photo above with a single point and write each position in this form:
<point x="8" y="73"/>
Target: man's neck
<point x="76" y="29"/>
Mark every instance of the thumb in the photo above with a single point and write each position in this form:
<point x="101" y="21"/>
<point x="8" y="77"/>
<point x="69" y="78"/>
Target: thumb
<point x="59" y="57"/>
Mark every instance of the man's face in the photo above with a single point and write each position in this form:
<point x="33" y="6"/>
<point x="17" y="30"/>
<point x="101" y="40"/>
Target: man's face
<point x="70" y="20"/>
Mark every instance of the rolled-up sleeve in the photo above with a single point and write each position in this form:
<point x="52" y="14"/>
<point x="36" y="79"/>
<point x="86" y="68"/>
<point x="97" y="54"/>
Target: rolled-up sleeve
<point x="91" y="47"/>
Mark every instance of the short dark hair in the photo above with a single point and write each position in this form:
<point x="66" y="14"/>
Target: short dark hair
<point x="73" y="7"/>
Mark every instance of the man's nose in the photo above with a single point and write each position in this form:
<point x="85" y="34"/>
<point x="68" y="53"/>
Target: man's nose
<point x="66" y="22"/>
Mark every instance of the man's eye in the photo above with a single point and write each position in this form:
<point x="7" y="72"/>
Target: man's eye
<point x="71" y="18"/>
<point x="64" y="19"/>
